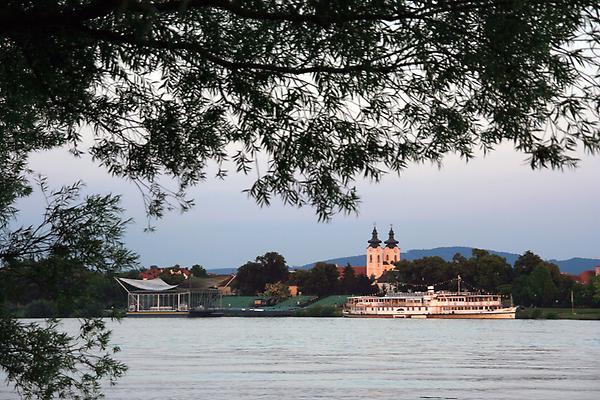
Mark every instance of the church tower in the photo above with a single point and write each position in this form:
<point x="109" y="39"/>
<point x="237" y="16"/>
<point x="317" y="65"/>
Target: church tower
<point x="374" y="256"/>
<point x="391" y="252"/>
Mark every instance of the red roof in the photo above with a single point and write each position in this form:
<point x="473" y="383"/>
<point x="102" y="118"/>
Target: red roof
<point x="151" y="273"/>
<point x="358" y="270"/>
<point x="154" y="272"/>
<point x="585" y="277"/>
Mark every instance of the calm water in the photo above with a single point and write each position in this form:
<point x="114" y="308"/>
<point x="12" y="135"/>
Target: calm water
<point x="305" y="358"/>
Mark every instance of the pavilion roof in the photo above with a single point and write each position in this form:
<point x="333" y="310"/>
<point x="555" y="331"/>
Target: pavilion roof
<point x="156" y="284"/>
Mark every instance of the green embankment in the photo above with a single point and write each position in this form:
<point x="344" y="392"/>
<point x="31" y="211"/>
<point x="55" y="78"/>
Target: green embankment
<point x="559" y="313"/>
<point x="292" y="303"/>
<point x="238" y="301"/>
<point x="331" y="306"/>
<point x="335" y="301"/>
<point x="232" y="302"/>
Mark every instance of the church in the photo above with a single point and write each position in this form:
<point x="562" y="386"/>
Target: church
<point x="381" y="259"/>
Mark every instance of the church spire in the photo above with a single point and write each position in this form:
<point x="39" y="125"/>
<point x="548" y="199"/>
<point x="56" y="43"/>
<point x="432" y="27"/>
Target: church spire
<point x="374" y="242"/>
<point x="391" y="242"/>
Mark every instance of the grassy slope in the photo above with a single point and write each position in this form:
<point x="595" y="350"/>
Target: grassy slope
<point x="559" y="313"/>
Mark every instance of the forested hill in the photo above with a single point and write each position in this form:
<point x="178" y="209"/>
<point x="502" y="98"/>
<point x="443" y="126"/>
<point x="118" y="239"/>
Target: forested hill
<point x="571" y="266"/>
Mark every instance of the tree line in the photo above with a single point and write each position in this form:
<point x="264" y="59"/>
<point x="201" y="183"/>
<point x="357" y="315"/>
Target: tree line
<point x="322" y="280"/>
<point x="58" y="286"/>
<point x="531" y="281"/>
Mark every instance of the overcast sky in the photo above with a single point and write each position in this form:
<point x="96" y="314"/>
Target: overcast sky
<point x="496" y="202"/>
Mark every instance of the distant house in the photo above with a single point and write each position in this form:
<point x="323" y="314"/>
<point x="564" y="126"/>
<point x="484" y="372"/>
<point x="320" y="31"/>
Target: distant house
<point x="154" y="272"/>
<point x="151" y="273"/>
<point x="586" y="276"/>
<point x="225" y="287"/>
<point x="358" y="270"/>
<point x="294" y="291"/>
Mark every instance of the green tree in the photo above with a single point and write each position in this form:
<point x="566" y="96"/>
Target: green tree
<point x="274" y="267"/>
<point x="252" y="277"/>
<point x="198" y="271"/>
<point x="596" y="286"/>
<point x="348" y="281"/>
<point x="42" y="362"/>
<point x="322" y="280"/>
<point x="299" y="278"/>
<point x="325" y="90"/>
<point x="171" y="279"/>
<point x="542" y="287"/>
<point x="364" y="286"/>
<point x="486" y="271"/>
<point x="527" y="262"/>
<point x="540" y="283"/>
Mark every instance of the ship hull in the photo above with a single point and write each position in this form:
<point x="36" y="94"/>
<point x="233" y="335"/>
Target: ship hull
<point x="508" y="314"/>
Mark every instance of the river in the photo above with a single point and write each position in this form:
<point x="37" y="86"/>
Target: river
<point x="337" y="358"/>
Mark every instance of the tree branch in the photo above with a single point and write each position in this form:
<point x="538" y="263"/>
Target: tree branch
<point x="122" y="39"/>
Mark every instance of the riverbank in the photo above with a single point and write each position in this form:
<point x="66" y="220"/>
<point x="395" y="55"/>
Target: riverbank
<point x="559" y="313"/>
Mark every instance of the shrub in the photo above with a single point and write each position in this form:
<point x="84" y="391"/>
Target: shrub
<point x="319" y="311"/>
<point x="89" y="310"/>
<point x="40" y="309"/>
<point x="536" y="313"/>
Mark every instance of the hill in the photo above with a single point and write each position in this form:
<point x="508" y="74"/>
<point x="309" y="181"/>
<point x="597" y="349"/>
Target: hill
<point x="571" y="266"/>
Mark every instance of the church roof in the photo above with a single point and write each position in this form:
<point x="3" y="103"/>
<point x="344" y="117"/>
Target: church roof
<point x="374" y="242"/>
<point x="391" y="242"/>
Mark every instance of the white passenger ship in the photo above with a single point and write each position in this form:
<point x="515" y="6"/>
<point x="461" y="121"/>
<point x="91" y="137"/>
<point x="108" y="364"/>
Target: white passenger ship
<point x="430" y="304"/>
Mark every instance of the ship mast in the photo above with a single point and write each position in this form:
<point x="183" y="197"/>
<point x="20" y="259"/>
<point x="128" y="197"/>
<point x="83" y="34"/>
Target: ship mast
<point x="459" y="279"/>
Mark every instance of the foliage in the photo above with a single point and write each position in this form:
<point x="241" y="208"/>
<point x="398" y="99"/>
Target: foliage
<point x="44" y="363"/>
<point x="590" y="314"/>
<point x="349" y="283"/>
<point x="171" y="278"/>
<point x="532" y="281"/>
<point x="49" y="266"/>
<point x="252" y="277"/>
<point x="322" y="91"/>
<point x="70" y="289"/>
<point x="318" y="311"/>
<point x="278" y="291"/>
<point x="539" y="283"/>
<point x="482" y="270"/>
<point x="198" y="271"/>
<point x="87" y="232"/>
<point x="595" y="284"/>
<point x="40" y="309"/>
<point x="321" y="280"/>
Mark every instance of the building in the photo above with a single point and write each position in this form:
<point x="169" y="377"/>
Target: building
<point x="585" y="277"/>
<point x="154" y="272"/>
<point x="358" y="270"/>
<point x="381" y="259"/>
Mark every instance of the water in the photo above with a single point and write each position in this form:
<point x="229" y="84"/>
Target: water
<point x="335" y="358"/>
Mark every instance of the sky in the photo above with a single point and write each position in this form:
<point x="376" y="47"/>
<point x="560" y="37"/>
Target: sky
<point x="495" y="202"/>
